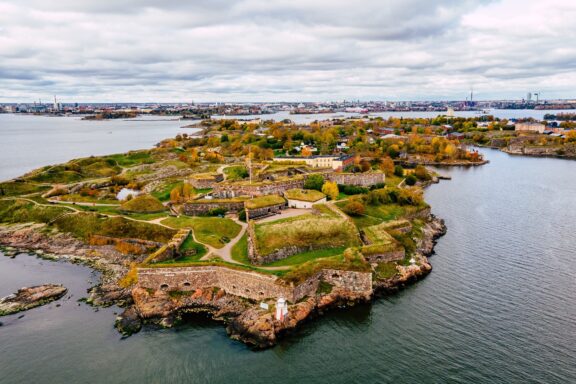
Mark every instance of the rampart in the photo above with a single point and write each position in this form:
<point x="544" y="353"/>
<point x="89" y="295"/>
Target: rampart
<point x="204" y="181"/>
<point x="228" y="190"/>
<point x="203" y="207"/>
<point x="170" y="250"/>
<point x="359" y="282"/>
<point x="247" y="284"/>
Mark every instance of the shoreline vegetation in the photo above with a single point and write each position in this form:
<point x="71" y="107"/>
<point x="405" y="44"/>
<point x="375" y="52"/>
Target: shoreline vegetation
<point x="189" y="203"/>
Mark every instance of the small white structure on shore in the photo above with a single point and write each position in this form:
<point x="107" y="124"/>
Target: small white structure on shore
<point x="281" y="309"/>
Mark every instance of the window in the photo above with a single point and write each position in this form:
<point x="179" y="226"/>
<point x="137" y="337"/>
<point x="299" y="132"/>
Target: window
<point x="164" y="287"/>
<point x="186" y="284"/>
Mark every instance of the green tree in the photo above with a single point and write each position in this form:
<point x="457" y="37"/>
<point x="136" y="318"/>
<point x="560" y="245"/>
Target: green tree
<point x="314" y="182"/>
<point x="411" y="179"/>
<point x="399" y="171"/>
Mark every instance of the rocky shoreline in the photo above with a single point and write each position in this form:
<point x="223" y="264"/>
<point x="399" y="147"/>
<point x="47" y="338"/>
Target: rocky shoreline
<point x="245" y="321"/>
<point x="32" y="239"/>
<point x="255" y="326"/>
<point x="31" y="297"/>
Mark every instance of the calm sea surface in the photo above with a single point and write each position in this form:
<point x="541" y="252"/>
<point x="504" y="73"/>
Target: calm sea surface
<point x="499" y="113"/>
<point x="28" y="142"/>
<point x="499" y="307"/>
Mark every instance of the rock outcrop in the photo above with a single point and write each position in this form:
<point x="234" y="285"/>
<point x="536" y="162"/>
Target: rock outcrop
<point x="31" y="297"/>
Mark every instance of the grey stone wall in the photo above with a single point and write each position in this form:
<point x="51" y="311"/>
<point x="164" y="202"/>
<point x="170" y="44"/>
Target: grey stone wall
<point x="359" y="179"/>
<point x="251" y="285"/>
<point x="202" y="208"/>
<point x="385" y="256"/>
<point x="170" y="250"/>
<point x="359" y="282"/>
<point x="228" y="190"/>
<point x="264" y="211"/>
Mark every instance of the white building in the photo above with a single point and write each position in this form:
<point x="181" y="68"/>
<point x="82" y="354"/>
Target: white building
<point x="337" y="162"/>
<point x="530" y="127"/>
<point x="304" y="198"/>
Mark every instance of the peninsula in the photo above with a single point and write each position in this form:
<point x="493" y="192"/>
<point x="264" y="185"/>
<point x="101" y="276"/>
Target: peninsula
<point x="260" y="225"/>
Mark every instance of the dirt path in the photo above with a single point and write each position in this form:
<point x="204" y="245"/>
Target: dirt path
<point x="82" y="203"/>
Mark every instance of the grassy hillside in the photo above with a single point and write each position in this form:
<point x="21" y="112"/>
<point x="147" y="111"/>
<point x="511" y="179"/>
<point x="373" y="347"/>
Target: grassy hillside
<point x="209" y="230"/>
<point x="307" y="231"/>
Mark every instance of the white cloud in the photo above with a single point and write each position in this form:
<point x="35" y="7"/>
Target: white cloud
<point x="285" y="50"/>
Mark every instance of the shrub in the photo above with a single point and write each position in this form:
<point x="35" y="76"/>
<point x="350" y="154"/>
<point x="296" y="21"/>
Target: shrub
<point x="421" y="173"/>
<point x="352" y="189"/>
<point x="411" y="180"/>
<point x="398" y="171"/>
<point x="394" y="195"/>
<point x="354" y="208"/>
<point x="242" y="215"/>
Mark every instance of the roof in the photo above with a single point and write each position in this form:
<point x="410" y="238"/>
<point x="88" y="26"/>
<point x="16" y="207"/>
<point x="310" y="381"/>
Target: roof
<point x="304" y="195"/>
<point x="264" y="201"/>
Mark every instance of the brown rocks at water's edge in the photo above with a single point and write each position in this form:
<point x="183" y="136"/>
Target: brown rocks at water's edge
<point x="30" y="297"/>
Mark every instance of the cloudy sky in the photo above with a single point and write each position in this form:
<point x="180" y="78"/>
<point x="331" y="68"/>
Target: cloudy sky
<point x="268" y="50"/>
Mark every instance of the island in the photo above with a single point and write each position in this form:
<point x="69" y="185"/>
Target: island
<point x="262" y="226"/>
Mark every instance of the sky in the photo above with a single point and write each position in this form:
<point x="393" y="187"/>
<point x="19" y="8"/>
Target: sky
<point x="285" y="50"/>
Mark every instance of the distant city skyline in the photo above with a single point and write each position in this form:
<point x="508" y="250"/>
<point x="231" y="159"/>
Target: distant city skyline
<point x="262" y="51"/>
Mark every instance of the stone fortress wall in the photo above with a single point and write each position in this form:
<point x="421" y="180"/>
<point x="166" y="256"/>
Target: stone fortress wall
<point x="197" y="208"/>
<point x="228" y="190"/>
<point x="170" y="250"/>
<point x="358" y="179"/>
<point x="250" y="285"/>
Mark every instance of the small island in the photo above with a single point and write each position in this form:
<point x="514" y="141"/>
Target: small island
<point x="261" y="226"/>
<point x="30" y="297"/>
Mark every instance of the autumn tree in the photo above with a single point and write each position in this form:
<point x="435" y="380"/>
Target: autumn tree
<point x="330" y="189"/>
<point x="306" y="152"/>
<point x="387" y="166"/>
<point x="186" y="191"/>
<point x="176" y="195"/>
<point x="354" y="208"/>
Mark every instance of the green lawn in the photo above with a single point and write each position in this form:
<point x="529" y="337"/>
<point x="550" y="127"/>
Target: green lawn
<point x="132" y="158"/>
<point x="11" y="188"/>
<point x="190" y="244"/>
<point x="240" y="250"/>
<point x="208" y="230"/>
<point x="305" y="231"/>
<point x="163" y="192"/>
<point x="87" y="199"/>
<point x="307" y="256"/>
<point x="376" y="214"/>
